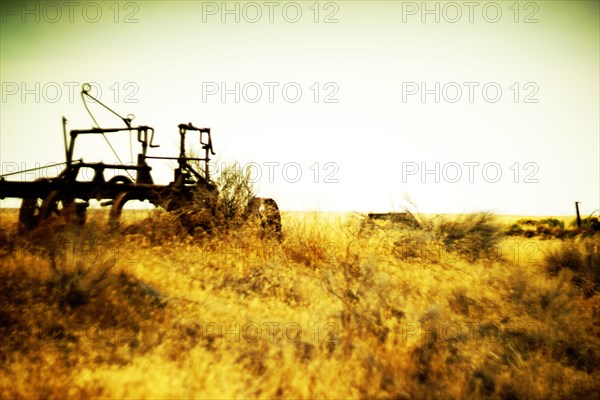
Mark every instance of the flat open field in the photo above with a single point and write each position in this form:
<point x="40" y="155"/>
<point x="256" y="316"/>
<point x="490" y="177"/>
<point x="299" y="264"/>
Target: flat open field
<point x="450" y="307"/>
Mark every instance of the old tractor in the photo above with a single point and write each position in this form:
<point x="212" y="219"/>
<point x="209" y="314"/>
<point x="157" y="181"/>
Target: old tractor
<point x="68" y="195"/>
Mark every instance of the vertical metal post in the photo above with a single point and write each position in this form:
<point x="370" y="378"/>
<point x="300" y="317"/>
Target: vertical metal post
<point x="182" y="142"/>
<point x="64" y="124"/>
<point x="206" y="173"/>
<point x="578" y="216"/>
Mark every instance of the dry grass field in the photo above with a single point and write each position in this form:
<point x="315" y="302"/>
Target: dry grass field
<point x="453" y="307"/>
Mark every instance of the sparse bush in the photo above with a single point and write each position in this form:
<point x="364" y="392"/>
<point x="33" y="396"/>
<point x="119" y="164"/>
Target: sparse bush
<point x="235" y="191"/>
<point x="552" y="228"/>
<point x="527" y="221"/>
<point x="589" y="223"/>
<point x="78" y="267"/>
<point x="63" y="294"/>
<point x="583" y="258"/>
<point x="523" y="227"/>
<point x="221" y="206"/>
<point x="553" y="222"/>
<point x="474" y="236"/>
<point x="307" y="245"/>
<point x="514" y="230"/>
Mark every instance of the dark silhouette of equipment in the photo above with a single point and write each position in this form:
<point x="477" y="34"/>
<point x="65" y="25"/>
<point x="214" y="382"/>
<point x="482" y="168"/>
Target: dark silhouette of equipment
<point x="67" y="196"/>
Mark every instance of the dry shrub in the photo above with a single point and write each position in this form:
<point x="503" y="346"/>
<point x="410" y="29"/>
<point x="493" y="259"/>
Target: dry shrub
<point x="553" y="228"/>
<point x="228" y="204"/>
<point x="62" y="291"/>
<point x="580" y="256"/>
<point x="433" y="361"/>
<point x="158" y="228"/>
<point x="591" y="223"/>
<point x="7" y="242"/>
<point x="236" y="190"/>
<point x="474" y="236"/>
<point x="310" y="243"/>
<point x="560" y="328"/>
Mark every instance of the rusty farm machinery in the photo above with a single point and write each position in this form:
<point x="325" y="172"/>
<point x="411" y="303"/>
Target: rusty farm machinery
<point x="68" y="196"/>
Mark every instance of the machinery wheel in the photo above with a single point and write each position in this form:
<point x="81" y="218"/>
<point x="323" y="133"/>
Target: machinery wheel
<point x="29" y="214"/>
<point x="116" y="209"/>
<point x="121" y="179"/>
<point x="268" y="214"/>
<point x="61" y="205"/>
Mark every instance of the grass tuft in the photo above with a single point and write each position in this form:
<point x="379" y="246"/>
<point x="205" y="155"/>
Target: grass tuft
<point x="582" y="257"/>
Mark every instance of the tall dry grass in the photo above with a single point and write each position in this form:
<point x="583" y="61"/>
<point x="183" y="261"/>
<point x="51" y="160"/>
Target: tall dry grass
<point x="342" y="307"/>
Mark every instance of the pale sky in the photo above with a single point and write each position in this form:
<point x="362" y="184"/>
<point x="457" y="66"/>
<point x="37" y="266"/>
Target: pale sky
<point x="343" y="93"/>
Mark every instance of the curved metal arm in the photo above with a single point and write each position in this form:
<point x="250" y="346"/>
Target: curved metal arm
<point x="85" y="91"/>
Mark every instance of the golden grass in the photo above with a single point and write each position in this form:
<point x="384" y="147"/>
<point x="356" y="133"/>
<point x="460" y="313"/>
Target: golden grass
<point x="340" y="308"/>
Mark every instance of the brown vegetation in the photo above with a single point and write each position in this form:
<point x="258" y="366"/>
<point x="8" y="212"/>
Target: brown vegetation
<point x="341" y="308"/>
